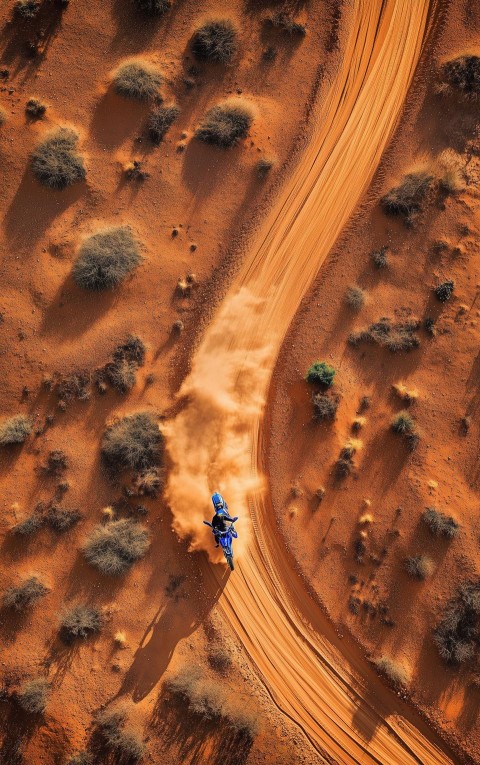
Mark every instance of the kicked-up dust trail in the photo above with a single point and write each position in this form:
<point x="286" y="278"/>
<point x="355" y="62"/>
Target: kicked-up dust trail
<point x="318" y="680"/>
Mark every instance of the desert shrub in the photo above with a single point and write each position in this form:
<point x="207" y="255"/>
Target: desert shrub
<point x="380" y="258"/>
<point x="29" y="526"/>
<point x="345" y="464"/>
<point x="126" y="746"/>
<point x="419" y="566"/>
<point x="263" y="167"/>
<point x="106" y="258"/>
<point x="56" y="162"/>
<point x="27" y="9"/>
<point x="219" y="659"/>
<point x="324" y="406"/>
<point x="444" y="291"/>
<point x="57" y="463"/>
<point x="215" y="41"/>
<point x="114" y="548"/>
<point x="457" y="635"/>
<point x="32" y="696"/>
<point x="226" y="123"/>
<point x="407" y="198"/>
<point x="25" y="595"/>
<point x="79" y="622"/>
<point x="3" y="116"/>
<point x="15" y="430"/>
<point x="61" y="519"/>
<point x="355" y="297"/>
<point x="138" y="80"/>
<point x="320" y="373"/>
<point x="148" y="483"/>
<point x="121" y="375"/>
<point x="403" y="423"/>
<point x="80" y="758"/>
<point x="160" y="120"/>
<point x="400" y="336"/>
<point x="153" y="7"/>
<point x="75" y="385"/>
<point x="34" y="108"/>
<point x="462" y="74"/>
<point x="132" y="443"/>
<point x="449" y="168"/>
<point x="392" y="670"/>
<point x="285" y="23"/>
<point x="439" y="523"/>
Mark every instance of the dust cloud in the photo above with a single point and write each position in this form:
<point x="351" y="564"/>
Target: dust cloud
<point x="209" y="442"/>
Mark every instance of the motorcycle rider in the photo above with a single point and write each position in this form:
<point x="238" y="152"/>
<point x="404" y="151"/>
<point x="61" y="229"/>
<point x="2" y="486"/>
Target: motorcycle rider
<point x="221" y="517"/>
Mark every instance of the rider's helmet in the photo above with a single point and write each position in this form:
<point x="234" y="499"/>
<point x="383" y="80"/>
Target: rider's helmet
<point x="218" y="503"/>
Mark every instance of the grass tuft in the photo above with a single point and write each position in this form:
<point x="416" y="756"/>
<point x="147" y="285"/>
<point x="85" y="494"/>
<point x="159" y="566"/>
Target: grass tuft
<point x="439" y="523"/>
<point x="32" y="696"/>
<point x="215" y="41"/>
<point x="56" y="162"/>
<point x="138" y="80"/>
<point x="15" y="430"/>
<point x="226" y="123"/>
<point x="25" y="595"/>
<point x="419" y="567"/>
<point x="395" y="673"/>
<point x="160" y="120"/>
<point x="106" y="258"/>
<point x="79" y="622"/>
<point x="114" y="548"/>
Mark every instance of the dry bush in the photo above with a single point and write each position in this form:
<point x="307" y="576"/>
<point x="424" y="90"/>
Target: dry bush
<point x="407" y="198"/>
<point x="80" y="758"/>
<point x="320" y="373"/>
<point x="462" y="75"/>
<point x="29" y="526"/>
<point x="380" y="258"/>
<point x="458" y="633"/>
<point x="285" y="23"/>
<point x="126" y="746"/>
<point x="449" y="169"/>
<point x="137" y="79"/>
<point x="355" y="297"/>
<point x="27" y="9"/>
<point x="405" y="394"/>
<point x="132" y="443"/>
<point x="345" y="464"/>
<point x="79" y="622"/>
<point x="403" y="423"/>
<point x="25" y="595"/>
<point x="34" y="108"/>
<point x="57" y="463"/>
<point x="61" y="519"/>
<point x="226" y="123"/>
<point x="75" y="385"/>
<point x="393" y="671"/>
<point x="324" y="406"/>
<point x="153" y="7"/>
<point x="32" y="696"/>
<point x="56" y="162"/>
<point x="399" y="336"/>
<point x="106" y="258"/>
<point x="127" y="358"/>
<point x="3" y="116"/>
<point x="444" y="291"/>
<point x="115" y="547"/>
<point x="419" y="566"/>
<point x="15" y="430"/>
<point x="160" y="120"/>
<point x="148" y="483"/>
<point x="219" y="659"/>
<point x="439" y="523"/>
<point x="263" y="167"/>
<point x="216" y="41"/>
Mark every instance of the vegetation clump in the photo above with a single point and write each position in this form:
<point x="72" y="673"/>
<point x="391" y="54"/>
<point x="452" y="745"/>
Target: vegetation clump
<point x="15" y="430"/>
<point x="440" y="524"/>
<point x="137" y="80"/>
<point x="458" y="633"/>
<point x="32" y="696"/>
<point x="355" y="297"/>
<point x="153" y="7"/>
<point x="419" y="566"/>
<point x="57" y="463"/>
<point x="34" y="108"/>
<point x="106" y="258"/>
<point x="148" y="483"/>
<point x="462" y="75"/>
<point x="127" y="358"/>
<point x="3" y="116"/>
<point x="25" y="595"/>
<point x="393" y="671"/>
<point x="29" y="526"/>
<point x="226" y="123"/>
<point x="114" y="548"/>
<point x="56" y="162"/>
<point x="444" y="291"/>
<point x="403" y="423"/>
<point x="219" y="659"/>
<point x="79" y="622"/>
<point x="407" y="198"/>
<point x="324" y="406"/>
<point x="132" y="443"/>
<point x="61" y="519"/>
<point x="126" y="746"/>
<point x="263" y="167"/>
<point x="215" y="41"/>
<point x="161" y="119"/>
<point x="345" y="463"/>
<point x="320" y="373"/>
<point x="285" y="23"/>
<point x="380" y="258"/>
<point x="27" y="9"/>
<point x="398" y="336"/>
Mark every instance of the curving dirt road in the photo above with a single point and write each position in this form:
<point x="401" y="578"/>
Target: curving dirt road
<point x="317" y="679"/>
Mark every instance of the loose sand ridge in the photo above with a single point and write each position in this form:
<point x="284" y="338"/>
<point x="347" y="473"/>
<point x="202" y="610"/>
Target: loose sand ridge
<point x="284" y="634"/>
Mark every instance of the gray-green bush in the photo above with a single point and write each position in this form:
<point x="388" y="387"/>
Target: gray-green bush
<point x="79" y="622"/>
<point x="24" y="595"/>
<point x="113" y="548"/>
<point x="216" y="41"/>
<point x="55" y="162"/>
<point x="132" y="443"/>
<point x="106" y="258"/>
<point x="15" y="430"/>
<point x="138" y="80"/>
<point x="226" y="123"/>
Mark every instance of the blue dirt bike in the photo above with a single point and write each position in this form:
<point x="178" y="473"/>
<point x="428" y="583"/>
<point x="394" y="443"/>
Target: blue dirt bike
<point x="225" y="538"/>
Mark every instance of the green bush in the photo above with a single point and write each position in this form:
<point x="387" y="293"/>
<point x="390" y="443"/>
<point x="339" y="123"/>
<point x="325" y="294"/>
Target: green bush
<point x="407" y="198"/>
<point x="439" y="523"/>
<point x="138" y="80"/>
<point x="160" y="120"/>
<point x="106" y="258"/>
<point x="320" y="373"/>
<point x="132" y="443"/>
<point x="25" y="595"/>
<point x="33" y="696"/>
<point x="79" y="622"/>
<point x="393" y="671"/>
<point x="153" y="7"/>
<point x="419" y="566"/>
<point x="226" y="123"/>
<point x="15" y="430"/>
<point x="56" y="162"/>
<point x="215" y="41"/>
<point x="403" y="423"/>
<point x="113" y="548"/>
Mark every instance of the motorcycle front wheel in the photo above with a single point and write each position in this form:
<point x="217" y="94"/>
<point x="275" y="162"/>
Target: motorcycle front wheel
<point x="230" y="562"/>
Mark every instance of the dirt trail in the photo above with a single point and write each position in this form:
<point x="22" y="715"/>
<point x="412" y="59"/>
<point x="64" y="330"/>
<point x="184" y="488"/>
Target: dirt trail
<point x="215" y="441"/>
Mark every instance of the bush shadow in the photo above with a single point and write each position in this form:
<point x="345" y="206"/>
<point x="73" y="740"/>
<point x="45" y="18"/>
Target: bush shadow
<point x="73" y="311"/>
<point x="116" y="118"/>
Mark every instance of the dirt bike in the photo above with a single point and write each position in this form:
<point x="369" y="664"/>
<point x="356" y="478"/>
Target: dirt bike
<point x="225" y="540"/>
